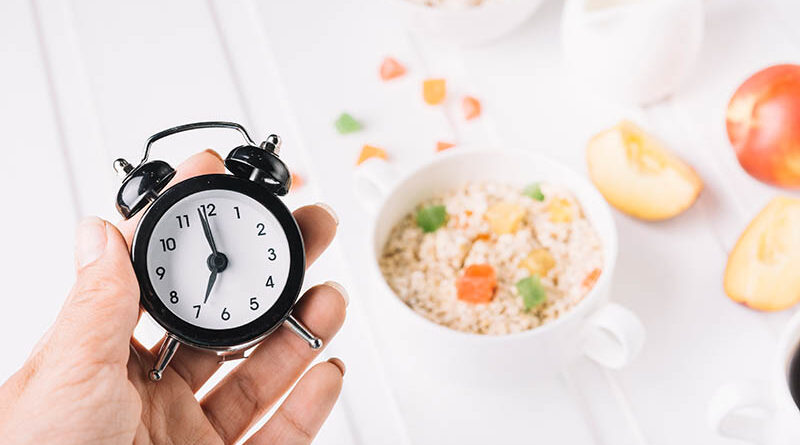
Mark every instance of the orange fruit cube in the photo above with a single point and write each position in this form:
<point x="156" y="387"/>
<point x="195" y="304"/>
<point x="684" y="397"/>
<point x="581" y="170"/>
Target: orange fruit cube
<point x="442" y="146"/>
<point x="477" y="285"/>
<point x="434" y="91"/>
<point x="391" y="68"/>
<point x="297" y="181"/>
<point x="370" y="151"/>
<point x="471" y="107"/>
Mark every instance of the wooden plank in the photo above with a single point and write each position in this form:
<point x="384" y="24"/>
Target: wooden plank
<point x="366" y="399"/>
<point x="38" y="207"/>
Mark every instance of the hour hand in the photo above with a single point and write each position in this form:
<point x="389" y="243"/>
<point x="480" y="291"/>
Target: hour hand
<point x="207" y="231"/>
<point x="211" y="280"/>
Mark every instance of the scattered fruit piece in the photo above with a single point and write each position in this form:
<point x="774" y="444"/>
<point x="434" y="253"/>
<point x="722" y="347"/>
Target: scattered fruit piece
<point x="391" y="68"/>
<point x="434" y="91"/>
<point x="539" y="262"/>
<point x="431" y="218"/>
<point x="369" y="151"/>
<point x="442" y="146"/>
<point x="531" y="291"/>
<point x="504" y="217"/>
<point x="477" y="285"/>
<point x="534" y="191"/>
<point x="763" y="268"/>
<point x="639" y="176"/>
<point x="297" y="181"/>
<point x="560" y="210"/>
<point x="590" y="279"/>
<point x="346" y="123"/>
<point x="471" y="107"/>
<point x="763" y="123"/>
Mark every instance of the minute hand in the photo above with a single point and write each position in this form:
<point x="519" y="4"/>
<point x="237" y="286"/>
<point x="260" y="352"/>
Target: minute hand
<point x="207" y="231"/>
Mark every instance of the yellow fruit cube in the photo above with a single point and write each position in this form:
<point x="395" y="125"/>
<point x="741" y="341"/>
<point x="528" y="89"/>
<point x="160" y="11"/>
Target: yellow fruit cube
<point x="539" y="262"/>
<point x="560" y="210"/>
<point x="370" y="151"/>
<point x="504" y="217"/>
<point x="434" y="91"/>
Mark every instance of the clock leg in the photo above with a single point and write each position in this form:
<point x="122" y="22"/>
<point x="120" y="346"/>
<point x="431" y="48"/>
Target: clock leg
<point x="165" y="354"/>
<point x="302" y="332"/>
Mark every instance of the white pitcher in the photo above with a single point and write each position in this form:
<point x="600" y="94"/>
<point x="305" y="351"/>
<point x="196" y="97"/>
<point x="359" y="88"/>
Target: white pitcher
<point x="634" y="51"/>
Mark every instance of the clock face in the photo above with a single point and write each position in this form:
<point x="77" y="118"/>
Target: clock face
<point x="250" y="279"/>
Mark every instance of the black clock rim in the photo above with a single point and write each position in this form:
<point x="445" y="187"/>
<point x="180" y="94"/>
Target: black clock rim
<point x="218" y="338"/>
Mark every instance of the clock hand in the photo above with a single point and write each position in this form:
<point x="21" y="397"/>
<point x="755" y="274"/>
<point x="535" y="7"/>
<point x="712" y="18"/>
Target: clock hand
<point x="211" y="280"/>
<point x="207" y="231"/>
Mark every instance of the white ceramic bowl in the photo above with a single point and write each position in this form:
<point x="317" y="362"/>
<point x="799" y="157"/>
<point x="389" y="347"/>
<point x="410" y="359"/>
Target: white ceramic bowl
<point x="606" y="332"/>
<point x="466" y="26"/>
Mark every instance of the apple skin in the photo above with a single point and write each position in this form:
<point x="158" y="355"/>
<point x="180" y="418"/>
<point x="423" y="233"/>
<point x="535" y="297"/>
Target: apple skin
<point x="763" y="123"/>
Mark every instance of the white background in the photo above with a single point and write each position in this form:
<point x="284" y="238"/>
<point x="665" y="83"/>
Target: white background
<point x="86" y="81"/>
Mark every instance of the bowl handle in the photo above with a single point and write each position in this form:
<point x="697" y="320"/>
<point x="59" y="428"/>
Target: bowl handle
<point x="373" y="181"/>
<point x="613" y="336"/>
<point x="742" y="411"/>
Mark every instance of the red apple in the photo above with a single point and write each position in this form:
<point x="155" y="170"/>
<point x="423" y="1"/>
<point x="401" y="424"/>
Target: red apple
<point x="763" y="122"/>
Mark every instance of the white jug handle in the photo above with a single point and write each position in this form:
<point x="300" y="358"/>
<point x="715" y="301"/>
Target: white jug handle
<point x="742" y="411"/>
<point x="613" y="336"/>
<point x="373" y="181"/>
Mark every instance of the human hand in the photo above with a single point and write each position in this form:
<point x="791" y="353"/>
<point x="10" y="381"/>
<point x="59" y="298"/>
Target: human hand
<point x="86" y="381"/>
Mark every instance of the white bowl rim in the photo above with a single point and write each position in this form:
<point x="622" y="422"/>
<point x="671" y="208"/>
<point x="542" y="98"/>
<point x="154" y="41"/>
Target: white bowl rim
<point x="609" y="258"/>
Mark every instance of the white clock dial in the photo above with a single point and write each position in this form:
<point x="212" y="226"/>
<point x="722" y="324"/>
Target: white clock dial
<point x="249" y="236"/>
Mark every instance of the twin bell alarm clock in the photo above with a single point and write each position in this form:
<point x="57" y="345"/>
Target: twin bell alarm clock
<point x="219" y="258"/>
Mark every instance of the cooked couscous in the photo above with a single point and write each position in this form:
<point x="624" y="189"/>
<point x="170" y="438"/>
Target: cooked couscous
<point x="491" y="258"/>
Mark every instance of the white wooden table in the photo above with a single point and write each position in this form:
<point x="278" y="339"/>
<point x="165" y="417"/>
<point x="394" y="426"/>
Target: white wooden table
<point x="85" y="81"/>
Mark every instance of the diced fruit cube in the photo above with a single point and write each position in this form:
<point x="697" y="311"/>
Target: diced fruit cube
<point x="763" y="270"/>
<point x="346" y="123"/>
<point x="370" y="151"/>
<point x="442" y="146"/>
<point x="504" y="217"/>
<point x="638" y="175"/>
<point x="539" y="262"/>
<point x="534" y="191"/>
<point x="590" y="279"/>
<point x="434" y="91"/>
<point x="477" y="284"/>
<point x="297" y="181"/>
<point x="560" y="210"/>
<point x="531" y="291"/>
<point x="391" y="68"/>
<point x="471" y="107"/>
<point x="431" y="218"/>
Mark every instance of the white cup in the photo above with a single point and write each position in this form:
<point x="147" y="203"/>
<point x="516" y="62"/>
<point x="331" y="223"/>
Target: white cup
<point x="604" y="331"/>
<point x="762" y="412"/>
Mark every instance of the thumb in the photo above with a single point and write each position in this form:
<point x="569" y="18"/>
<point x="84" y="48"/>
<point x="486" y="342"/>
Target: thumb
<point x="102" y="309"/>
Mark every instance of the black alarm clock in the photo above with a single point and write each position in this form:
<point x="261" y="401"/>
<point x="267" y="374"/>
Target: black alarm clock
<point x="219" y="258"/>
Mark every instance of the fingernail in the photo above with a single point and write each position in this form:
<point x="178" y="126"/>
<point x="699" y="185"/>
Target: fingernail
<point x="339" y="364"/>
<point x="215" y="154"/>
<point x="339" y="288"/>
<point x="330" y="211"/>
<point x="90" y="241"/>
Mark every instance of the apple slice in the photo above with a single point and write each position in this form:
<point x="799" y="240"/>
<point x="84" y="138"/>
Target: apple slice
<point x="639" y="176"/>
<point x="763" y="270"/>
